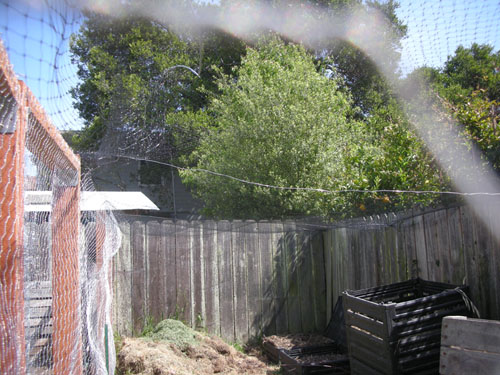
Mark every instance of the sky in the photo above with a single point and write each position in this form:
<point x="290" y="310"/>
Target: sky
<point x="437" y="27"/>
<point x="37" y="39"/>
<point x="37" y="42"/>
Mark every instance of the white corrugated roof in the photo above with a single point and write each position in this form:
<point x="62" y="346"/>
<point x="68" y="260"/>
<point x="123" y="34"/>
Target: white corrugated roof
<point x="41" y="201"/>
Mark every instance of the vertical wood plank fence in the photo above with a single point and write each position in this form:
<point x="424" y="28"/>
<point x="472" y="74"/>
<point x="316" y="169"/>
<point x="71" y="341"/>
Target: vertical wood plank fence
<point x="242" y="279"/>
<point x="447" y="245"/>
<point x="237" y="279"/>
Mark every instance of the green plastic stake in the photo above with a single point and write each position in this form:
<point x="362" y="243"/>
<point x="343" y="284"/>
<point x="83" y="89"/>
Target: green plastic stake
<point x="106" y="346"/>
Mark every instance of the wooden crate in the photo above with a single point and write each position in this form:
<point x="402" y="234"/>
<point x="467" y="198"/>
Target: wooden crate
<point x="324" y="358"/>
<point x="470" y="346"/>
<point x="396" y="328"/>
<point x="307" y="360"/>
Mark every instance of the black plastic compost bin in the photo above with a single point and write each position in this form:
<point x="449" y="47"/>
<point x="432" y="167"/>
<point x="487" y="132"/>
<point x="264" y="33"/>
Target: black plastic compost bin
<point x="305" y="360"/>
<point x="396" y="329"/>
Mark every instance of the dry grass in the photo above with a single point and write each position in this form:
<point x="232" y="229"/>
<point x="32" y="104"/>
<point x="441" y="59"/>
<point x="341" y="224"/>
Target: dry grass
<point x="174" y="349"/>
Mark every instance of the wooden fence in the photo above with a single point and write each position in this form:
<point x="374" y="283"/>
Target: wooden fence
<point x="235" y="279"/>
<point x="447" y="245"/>
<point x="243" y="279"/>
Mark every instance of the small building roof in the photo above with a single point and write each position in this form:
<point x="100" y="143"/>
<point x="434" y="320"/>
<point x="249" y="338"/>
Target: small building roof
<point x="41" y="201"/>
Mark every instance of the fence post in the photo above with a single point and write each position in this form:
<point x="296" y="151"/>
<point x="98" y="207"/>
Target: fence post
<point x="67" y="346"/>
<point x="12" y="133"/>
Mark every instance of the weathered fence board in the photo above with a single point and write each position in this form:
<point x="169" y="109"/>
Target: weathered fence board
<point x="183" y="270"/>
<point x="469" y="244"/>
<point x="456" y="248"/>
<point x="168" y="231"/>
<point x="138" y="298"/>
<point x="494" y="264"/>
<point x="240" y="282"/>
<point x="226" y="303"/>
<point x="280" y="280"/>
<point x="122" y="266"/>
<point x="267" y="286"/>
<point x="443" y="246"/>
<point x="253" y="292"/>
<point x="156" y="281"/>
<point x="484" y="275"/>
<point x="292" y="264"/>
<point x="330" y="274"/>
<point x="430" y="234"/>
<point x="197" y="275"/>
<point x="420" y="248"/>
<point x="211" y="275"/>
<point x="304" y="262"/>
<point x="318" y="297"/>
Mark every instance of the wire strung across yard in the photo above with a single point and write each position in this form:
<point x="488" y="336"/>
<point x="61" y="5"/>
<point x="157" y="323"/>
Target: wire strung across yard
<point x="317" y="190"/>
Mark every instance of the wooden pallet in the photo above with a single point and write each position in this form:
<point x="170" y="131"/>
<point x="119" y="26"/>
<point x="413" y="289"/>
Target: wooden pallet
<point x="39" y="328"/>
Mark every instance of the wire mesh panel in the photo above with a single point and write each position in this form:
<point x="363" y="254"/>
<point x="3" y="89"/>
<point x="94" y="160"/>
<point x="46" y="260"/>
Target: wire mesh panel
<point x="37" y="263"/>
<point x="51" y="292"/>
<point x="100" y="239"/>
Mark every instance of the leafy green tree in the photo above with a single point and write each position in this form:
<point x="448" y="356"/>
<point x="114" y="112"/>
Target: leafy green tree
<point x="282" y="123"/>
<point x="117" y="58"/>
<point x="403" y="164"/>
<point x="137" y="74"/>
<point x="469" y="86"/>
<point x="360" y="73"/>
<point x="128" y="80"/>
<point x="472" y="69"/>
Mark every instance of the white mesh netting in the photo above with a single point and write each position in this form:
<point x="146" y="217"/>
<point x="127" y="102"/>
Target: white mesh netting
<point x="56" y="259"/>
<point x="131" y="85"/>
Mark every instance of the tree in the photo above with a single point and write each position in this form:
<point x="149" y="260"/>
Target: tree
<point x="283" y="123"/>
<point x="469" y="85"/>
<point x="403" y="164"/>
<point x="358" y="70"/>
<point x="137" y="74"/>
<point x="117" y="61"/>
<point x="474" y="69"/>
<point x="126" y="66"/>
<point x="321" y="118"/>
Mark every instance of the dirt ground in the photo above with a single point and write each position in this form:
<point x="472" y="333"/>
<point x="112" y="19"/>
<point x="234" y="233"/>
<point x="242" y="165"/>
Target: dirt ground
<point x="175" y="349"/>
<point x="297" y="340"/>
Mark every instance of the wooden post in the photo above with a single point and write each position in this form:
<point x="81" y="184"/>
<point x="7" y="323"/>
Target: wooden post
<point x="67" y="343"/>
<point x="12" y="343"/>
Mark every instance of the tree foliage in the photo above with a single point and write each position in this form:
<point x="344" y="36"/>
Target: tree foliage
<point x="469" y="84"/>
<point x="283" y="123"/>
<point x="131" y="79"/>
<point x="360" y="72"/>
<point x="134" y="74"/>
<point x="273" y="113"/>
